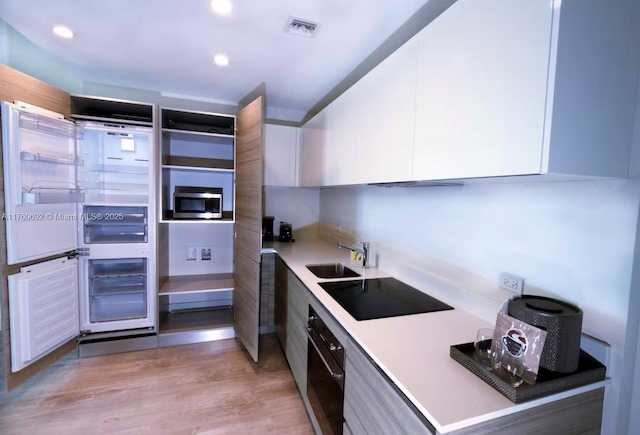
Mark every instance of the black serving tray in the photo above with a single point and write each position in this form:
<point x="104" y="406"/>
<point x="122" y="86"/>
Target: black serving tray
<point x="589" y="370"/>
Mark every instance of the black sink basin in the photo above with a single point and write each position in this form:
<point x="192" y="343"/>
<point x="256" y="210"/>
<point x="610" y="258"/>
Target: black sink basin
<point x="332" y="270"/>
<point x="367" y="299"/>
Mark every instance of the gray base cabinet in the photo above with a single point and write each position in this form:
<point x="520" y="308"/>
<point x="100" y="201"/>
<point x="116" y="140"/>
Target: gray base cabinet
<point x="296" y="344"/>
<point x="280" y="300"/>
<point x="374" y="405"/>
<point x="371" y="404"/>
<point x="291" y="307"/>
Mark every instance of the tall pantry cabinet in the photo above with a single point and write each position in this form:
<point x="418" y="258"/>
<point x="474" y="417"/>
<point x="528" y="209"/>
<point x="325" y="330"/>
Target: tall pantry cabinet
<point x="197" y="151"/>
<point x="209" y="269"/>
<point x="194" y="301"/>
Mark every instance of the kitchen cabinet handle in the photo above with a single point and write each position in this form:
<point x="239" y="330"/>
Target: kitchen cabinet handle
<point x="333" y="373"/>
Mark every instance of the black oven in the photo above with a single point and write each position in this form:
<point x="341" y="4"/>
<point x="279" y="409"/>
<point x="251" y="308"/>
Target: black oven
<point x="325" y="375"/>
<point x="197" y="202"/>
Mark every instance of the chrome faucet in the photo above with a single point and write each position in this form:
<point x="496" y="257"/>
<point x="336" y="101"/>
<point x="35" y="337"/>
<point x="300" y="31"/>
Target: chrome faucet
<point x="364" y="250"/>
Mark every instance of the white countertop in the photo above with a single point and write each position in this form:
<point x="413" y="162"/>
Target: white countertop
<point x="413" y="350"/>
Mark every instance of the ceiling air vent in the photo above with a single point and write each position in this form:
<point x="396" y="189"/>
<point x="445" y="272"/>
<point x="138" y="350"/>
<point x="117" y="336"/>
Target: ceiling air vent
<point x="301" y="27"/>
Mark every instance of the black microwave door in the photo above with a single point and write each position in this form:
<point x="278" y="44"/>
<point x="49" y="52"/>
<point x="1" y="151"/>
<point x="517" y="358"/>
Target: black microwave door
<point x="190" y="205"/>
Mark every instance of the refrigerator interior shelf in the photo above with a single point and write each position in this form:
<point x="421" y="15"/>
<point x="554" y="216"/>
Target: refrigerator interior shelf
<point x="45" y="125"/>
<point x="132" y="187"/>
<point x="53" y="197"/>
<point x="121" y="289"/>
<point x="132" y="170"/>
<point x="40" y="157"/>
<point x="114" y="223"/>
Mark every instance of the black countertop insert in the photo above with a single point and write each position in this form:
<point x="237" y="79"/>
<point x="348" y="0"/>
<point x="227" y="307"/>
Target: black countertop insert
<point x="377" y="298"/>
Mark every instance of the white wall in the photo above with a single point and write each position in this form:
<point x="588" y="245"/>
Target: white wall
<point x="299" y="206"/>
<point x="4" y="42"/>
<point x="23" y="55"/>
<point x="571" y="240"/>
<point x="218" y="236"/>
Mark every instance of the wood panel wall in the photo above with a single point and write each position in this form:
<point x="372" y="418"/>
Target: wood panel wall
<point x="15" y="85"/>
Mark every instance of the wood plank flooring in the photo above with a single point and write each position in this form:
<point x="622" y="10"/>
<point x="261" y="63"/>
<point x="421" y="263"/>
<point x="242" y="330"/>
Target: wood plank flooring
<point x="206" y="388"/>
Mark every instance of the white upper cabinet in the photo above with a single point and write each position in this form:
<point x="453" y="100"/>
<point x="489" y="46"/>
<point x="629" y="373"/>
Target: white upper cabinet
<point x="526" y="87"/>
<point x="312" y="140"/>
<point x="384" y="118"/>
<point x="490" y="89"/>
<point x="281" y="155"/>
<point x="366" y="134"/>
<point x="482" y="87"/>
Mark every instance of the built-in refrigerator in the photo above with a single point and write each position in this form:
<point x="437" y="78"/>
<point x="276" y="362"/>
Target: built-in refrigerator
<point x="79" y="218"/>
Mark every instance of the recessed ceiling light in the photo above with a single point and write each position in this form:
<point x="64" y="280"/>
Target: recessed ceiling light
<point x="221" y="59"/>
<point x="221" y="7"/>
<point x="63" y="32"/>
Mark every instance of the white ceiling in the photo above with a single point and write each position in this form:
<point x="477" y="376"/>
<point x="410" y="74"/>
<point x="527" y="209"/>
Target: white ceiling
<point x="168" y="45"/>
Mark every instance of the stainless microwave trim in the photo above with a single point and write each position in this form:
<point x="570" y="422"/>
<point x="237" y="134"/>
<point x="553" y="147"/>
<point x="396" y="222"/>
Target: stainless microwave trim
<point x="196" y="195"/>
<point x="197" y="215"/>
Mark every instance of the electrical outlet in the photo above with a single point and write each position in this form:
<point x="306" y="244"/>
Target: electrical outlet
<point x="205" y="254"/>
<point x="192" y="254"/>
<point x="513" y="283"/>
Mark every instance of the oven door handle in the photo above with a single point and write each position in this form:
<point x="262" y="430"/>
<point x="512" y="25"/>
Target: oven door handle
<point x="337" y="374"/>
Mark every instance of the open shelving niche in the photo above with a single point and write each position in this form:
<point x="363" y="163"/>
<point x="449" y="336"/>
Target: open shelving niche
<point x="197" y="149"/>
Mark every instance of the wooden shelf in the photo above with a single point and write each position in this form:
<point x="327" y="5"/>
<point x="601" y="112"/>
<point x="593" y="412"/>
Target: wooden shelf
<point x="196" y="283"/>
<point x="188" y="135"/>
<point x="197" y="163"/>
<point x="227" y="217"/>
<point x="187" y="321"/>
<point x="197" y="221"/>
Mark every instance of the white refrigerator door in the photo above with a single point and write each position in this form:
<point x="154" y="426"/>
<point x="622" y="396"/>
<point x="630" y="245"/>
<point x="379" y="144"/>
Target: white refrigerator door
<point x="43" y="309"/>
<point x="40" y="180"/>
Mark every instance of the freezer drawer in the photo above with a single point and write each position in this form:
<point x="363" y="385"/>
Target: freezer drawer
<point x="104" y="224"/>
<point x="117" y="267"/>
<point x="111" y="285"/>
<point x="107" y="308"/>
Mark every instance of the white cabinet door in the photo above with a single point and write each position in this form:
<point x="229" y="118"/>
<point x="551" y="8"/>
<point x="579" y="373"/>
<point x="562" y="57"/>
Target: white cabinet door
<point x="281" y="155"/>
<point x="382" y="119"/>
<point x="482" y="79"/>
<point x="339" y="163"/>
<point x="312" y="145"/>
<point x="366" y="134"/>
<point x="43" y="307"/>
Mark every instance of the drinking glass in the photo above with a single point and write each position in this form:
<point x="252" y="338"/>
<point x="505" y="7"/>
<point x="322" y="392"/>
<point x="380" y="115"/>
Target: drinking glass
<point x="507" y="367"/>
<point x="482" y="346"/>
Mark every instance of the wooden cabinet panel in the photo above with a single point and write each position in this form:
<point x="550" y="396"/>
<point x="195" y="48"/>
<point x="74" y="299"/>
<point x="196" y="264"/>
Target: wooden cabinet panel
<point x="280" y="306"/>
<point x="482" y="89"/>
<point x="296" y="340"/>
<point x="246" y="302"/>
<point x="15" y="85"/>
<point x="371" y="404"/>
<point x="581" y="414"/>
<point x="248" y="225"/>
<point x="249" y="168"/>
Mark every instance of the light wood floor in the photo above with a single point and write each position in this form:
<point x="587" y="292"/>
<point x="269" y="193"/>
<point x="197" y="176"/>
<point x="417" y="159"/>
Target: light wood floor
<point x="208" y="388"/>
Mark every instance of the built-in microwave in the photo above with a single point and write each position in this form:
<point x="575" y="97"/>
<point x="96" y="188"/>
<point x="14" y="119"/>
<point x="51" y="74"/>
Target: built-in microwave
<point x="197" y="202"/>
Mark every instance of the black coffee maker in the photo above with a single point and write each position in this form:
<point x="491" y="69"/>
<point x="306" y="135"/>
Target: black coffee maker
<point x="285" y="232"/>
<point x="267" y="228"/>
